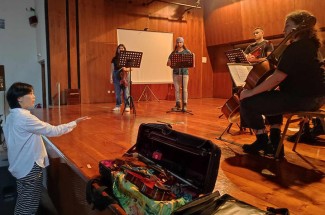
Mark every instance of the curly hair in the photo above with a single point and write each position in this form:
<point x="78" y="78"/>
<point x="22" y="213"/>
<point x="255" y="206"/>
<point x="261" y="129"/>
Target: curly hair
<point x="304" y="18"/>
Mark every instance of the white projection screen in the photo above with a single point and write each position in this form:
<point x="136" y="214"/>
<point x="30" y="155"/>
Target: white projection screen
<point x="156" y="47"/>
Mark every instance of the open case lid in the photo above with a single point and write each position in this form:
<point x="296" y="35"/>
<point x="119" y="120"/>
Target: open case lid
<point x="189" y="158"/>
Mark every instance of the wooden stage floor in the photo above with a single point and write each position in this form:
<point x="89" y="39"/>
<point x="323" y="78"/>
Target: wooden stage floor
<point x="296" y="183"/>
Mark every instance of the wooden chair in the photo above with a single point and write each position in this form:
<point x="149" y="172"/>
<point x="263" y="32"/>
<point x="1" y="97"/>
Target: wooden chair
<point x="305" y="114"/>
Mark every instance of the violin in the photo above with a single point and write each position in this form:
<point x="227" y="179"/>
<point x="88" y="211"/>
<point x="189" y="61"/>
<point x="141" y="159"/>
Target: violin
<point x="153" y="187"/>
<point x="153" y="182"/>
<point x="123" y="78"/>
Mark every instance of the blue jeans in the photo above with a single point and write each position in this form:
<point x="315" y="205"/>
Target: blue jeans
<point x="120" y="89"/>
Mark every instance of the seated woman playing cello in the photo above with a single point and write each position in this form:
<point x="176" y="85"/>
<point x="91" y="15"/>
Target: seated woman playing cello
<point x="301" y="83"/>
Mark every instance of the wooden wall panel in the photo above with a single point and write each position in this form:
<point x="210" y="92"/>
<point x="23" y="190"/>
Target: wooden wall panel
<point x="73" y="45"/>
<point x="223" y="23"/>
<point x="314" y="6"/>
<point x="94" y="58"/>
<point x="207" y="72"/>
<point x="58" y="47"/>
<point x="222" y="83"/>
<point x="98" y="21"/>
<point x="267" y="14"/>
<point x="233" y="21"/>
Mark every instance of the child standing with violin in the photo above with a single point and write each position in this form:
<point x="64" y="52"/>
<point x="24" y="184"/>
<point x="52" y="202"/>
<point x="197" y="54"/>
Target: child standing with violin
<point x="258" y="51"/>
<point x="120" y="79"/>
<point x="301" y="82"/>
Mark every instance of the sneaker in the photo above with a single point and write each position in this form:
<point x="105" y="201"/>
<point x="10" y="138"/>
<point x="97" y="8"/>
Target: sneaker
<point x="127" y="109"/>
<point x="305" y="137"/>
<point x="177" y="107"/>
<point x="116" y="109"/>
<point x="185" y="107"/>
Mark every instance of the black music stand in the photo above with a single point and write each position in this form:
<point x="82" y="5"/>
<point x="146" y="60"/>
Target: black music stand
<point x="236" y="56"/>
<point x="182" y="61"/>
<point x="130" y="59"/>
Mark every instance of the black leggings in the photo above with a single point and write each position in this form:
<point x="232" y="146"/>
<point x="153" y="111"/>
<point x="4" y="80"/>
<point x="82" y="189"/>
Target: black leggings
<point x="273" y="104"/>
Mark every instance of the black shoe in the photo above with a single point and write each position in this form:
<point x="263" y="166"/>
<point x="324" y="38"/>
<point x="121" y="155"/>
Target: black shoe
<point x="271" y="149"/>
<point x="317" y="129"/>
<point x="304" y="138"/>
<point x="272" y="146"/>
<point x="252" y="148"/>
<point x="257" y="146"/>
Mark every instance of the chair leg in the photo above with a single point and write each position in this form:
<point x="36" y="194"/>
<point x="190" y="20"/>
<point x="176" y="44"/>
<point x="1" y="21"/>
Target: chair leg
<point x="226" y="130"/>
<point x="323" y="123"/>
<point x="278" y="151"/>
<point x="301" y="128"/>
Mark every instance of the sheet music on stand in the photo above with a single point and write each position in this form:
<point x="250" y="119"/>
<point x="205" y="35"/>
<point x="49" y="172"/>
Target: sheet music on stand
<point x="236" y="56"/>
<point x="182" y="60"/>
<point x="130" y="59"/>
<point x="239" y="72"/>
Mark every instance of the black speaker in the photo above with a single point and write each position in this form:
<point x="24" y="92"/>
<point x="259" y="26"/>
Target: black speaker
<point x="2" y="78"/>
<point x="33" y="21"/>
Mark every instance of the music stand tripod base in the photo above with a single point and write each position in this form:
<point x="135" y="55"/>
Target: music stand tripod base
<point x="131" y="105"/>
<point x="180" y="110"/>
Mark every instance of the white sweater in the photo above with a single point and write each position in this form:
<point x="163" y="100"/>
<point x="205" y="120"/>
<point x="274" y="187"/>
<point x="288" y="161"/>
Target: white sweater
<point x="22" y="132"/>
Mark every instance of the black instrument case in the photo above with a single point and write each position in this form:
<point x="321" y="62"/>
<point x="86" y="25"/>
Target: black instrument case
<point x="191" y="160"/>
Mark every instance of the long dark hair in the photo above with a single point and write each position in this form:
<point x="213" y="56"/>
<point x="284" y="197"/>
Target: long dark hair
<point x="117" y="48"/>
<point x="303" y="17"/>
<point x="114" y="59"/>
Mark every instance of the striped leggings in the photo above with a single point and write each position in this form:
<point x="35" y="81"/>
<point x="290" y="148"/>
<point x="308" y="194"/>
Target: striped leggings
<point x="29" y="189"/>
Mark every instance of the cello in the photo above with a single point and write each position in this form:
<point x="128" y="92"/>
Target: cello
<point x="261" y="71"/>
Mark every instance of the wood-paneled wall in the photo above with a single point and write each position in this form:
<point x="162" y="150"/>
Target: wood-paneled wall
<point x="231" y="22"/>
<point x="57" y="47"/>
<point x="83" y="39"/>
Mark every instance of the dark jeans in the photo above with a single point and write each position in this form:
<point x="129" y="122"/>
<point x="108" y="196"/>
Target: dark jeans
<point x="272" y="104"/>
